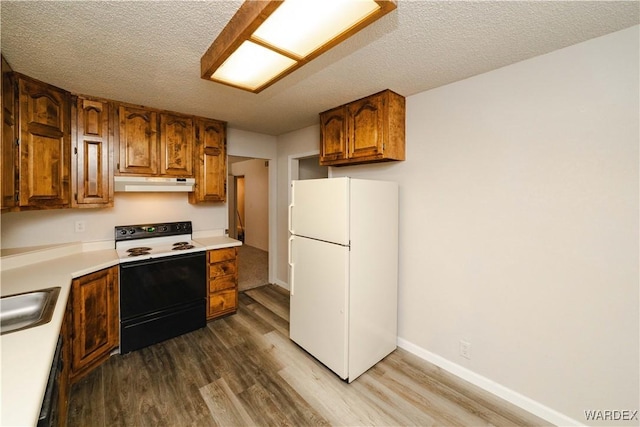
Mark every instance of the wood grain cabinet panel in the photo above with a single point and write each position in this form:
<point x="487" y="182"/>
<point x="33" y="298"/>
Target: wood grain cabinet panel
<point x="368" y="130"/>
<point x="210" y="162"/>
<point x="64" y="379"/>
<point x="94" y="320"/>
<point x="224" y="254"/>
<point x="45" y="145"/>
<point x="176" y="142"/>
<point x="61" y="151"/>
<point x="138" y="141"/>
<point x="222" y="270"/>
<point x="9" y="136"/>
<point x="333" y="129"/>
<point x="223" y="302"/>
<point x="366" y="127"/>
<point x="93" y="174"/>
<point x="155" y="143"/>
<point x="221" y="283"/>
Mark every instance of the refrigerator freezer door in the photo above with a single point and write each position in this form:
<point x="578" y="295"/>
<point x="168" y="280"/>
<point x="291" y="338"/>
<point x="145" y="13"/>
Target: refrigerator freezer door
<point x="319" y="301"/>
<point x="320" y="209"/>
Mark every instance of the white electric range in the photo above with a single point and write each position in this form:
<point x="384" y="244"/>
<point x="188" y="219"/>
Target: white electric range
<point x="163" y="283"/>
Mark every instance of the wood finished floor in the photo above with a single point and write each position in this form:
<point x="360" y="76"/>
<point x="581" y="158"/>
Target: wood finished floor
<point x="244" y="370"/>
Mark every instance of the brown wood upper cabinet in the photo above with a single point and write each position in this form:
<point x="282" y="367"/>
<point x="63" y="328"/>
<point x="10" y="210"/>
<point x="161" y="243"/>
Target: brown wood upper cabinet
<point x="154" y="143"/>
<point x="139" y="146"/>
<point x="176" y="145"/>
<point x="92" y="145"/>
<point x="368" y="130"/>
<point x="94" y="322"/>
<point x="210" y="162"/>
<point x="36" y="143"/>
<point x="55" y="145"/>
<point x="8" y="114"/>
<point x="44" y="148"/>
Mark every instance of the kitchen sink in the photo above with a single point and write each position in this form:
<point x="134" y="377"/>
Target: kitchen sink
<point x="27" y="310"/>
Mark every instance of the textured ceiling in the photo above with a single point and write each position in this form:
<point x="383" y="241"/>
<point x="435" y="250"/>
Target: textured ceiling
<point x="149" y="52"/>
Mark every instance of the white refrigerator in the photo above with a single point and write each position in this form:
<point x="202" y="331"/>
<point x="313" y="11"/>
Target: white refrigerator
<point x="343" y="259"/>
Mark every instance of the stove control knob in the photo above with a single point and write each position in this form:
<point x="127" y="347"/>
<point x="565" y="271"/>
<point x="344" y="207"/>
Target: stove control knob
<point x="123" y="232"/>
<point x="163" y="228"/>
<point x="178" y="227"/>
<point x="131" y="231"/>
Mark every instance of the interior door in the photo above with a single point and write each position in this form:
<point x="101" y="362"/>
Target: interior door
<point x="320" y="209"/>
<point x="319" y="300"/>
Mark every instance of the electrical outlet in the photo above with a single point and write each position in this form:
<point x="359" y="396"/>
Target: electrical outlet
<point x="465" y="349"/>
<point x="80" y="226"/>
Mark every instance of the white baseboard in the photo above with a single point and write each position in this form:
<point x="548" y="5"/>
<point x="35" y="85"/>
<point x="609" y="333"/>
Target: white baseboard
<point x="282" y="284"/>
<point x="492" y="387"/>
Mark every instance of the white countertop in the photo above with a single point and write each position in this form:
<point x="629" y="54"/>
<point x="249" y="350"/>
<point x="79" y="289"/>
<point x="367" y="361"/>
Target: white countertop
<point x="26" y="356"/>
<point x="217" y="242"/>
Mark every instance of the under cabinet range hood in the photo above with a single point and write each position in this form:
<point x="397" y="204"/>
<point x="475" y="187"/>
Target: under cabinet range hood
<point x="152" y="184"/>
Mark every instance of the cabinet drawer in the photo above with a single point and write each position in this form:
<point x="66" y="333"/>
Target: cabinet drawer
<point x="222" y="269"/>
<point x="223" y="282"/>
<point x="223" y="302"/>
<point x="218" y="255"/>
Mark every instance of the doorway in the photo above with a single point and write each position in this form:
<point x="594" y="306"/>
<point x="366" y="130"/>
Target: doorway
<point x="239" y="208"/>
<point x="249" y="218"/>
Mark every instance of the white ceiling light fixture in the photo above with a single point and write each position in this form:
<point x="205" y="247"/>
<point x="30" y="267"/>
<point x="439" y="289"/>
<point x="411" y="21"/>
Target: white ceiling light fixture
<point x="268" y="39"/>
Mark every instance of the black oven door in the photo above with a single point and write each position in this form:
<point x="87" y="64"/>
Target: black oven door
<point x="161" y="298"/>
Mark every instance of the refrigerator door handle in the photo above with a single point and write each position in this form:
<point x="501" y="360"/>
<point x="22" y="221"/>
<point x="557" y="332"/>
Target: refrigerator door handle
<point x="291" y="266"/>
<point x="289" y="219"/>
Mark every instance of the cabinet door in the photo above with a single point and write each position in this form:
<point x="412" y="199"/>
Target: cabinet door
<point x="95" y="319"/>
<point x="93" y="147"/>
<point x="366" y="127"/>
<point x="65" y="374"/>
<point x="333" y="136"/>
<point x="176" y="143"/>
<point x="138" y="141"/>
<point x="211" y="162"/>
<point x="220" y="269"/>
<point x="222" y="297"/>
<point x="225" y="254"/>
<point x="8" y="164"/>
<point x="45" y="145"/>
<point x="221" y="303"/>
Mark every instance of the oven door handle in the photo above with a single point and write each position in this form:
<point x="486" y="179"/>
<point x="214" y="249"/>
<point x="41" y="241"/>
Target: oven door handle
<point x="133" y="263"/>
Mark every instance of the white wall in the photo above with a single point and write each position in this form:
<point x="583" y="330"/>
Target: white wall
<point x="24" y="229"/>
<point x="243" y="143"/>
<point x="292" y="144"/>
<point x="250" y="144"/>
<point x="256" y="198"/>
<point x="519" y="227"/>
<point x="310" y="168"/>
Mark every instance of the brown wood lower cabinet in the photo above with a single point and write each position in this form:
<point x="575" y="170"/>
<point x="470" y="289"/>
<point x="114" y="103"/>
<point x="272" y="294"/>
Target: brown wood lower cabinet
<point x="222" y="268"/>
<point x="89" y="330"/>
<point x="64" y="383"/>
<point x="94" y="320"/>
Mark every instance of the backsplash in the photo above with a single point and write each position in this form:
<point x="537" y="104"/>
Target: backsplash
<point x="34" y="228"/>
